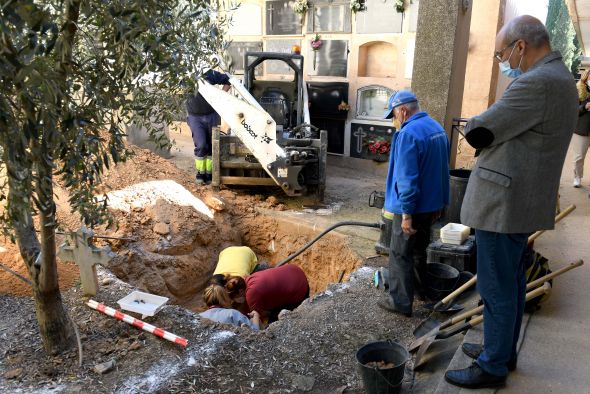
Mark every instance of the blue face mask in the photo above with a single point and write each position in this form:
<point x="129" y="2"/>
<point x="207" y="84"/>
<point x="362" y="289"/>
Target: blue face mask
<point x="509" y="71"/>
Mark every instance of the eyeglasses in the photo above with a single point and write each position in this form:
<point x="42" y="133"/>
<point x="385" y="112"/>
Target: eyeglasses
<point x="498" y="54"/>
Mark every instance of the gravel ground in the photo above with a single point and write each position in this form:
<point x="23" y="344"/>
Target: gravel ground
<point x="312" y="349"/>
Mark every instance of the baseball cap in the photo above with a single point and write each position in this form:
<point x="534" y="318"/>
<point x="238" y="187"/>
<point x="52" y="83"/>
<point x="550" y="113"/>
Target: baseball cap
<point x="399" y="98"/>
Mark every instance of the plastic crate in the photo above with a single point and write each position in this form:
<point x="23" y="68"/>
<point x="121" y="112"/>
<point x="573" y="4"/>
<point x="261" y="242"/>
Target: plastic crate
<point x="462" y="257"/>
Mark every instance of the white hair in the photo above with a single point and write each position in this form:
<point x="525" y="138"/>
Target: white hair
<point x="411" y="107"/>
<point x="531" y="31"/>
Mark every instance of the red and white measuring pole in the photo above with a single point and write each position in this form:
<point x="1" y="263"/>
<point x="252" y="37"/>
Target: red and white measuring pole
<point x="137" y="323"/>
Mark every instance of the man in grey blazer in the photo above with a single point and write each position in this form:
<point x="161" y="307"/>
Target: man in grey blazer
<point x="522" y="141"/>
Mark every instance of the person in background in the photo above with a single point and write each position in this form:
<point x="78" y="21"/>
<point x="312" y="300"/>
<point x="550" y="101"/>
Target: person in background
<point x="274" y="289"/>
<point x="416" y="191"/>
<point x="201" y="120"/>
<point x="219" y="303"/>
<point x="512" y="191"/>
<point x="236" y="261"/>
<point x="581" y="137"/>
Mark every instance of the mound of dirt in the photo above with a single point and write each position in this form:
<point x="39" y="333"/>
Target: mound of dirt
<point x="69" y="273"/>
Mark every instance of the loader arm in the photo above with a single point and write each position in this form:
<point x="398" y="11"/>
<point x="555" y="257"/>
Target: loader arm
<point x="256" y="129"/>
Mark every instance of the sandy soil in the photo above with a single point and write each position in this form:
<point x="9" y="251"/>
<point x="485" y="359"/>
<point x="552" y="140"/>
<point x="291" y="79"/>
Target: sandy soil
<point x="69" y="275"/>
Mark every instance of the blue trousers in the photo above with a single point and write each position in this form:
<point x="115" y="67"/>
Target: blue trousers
<point x="201" y="128"/>
<point x="502" y="285"/>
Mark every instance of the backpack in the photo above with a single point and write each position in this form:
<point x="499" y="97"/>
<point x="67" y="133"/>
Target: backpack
<point x="536" y="266"/>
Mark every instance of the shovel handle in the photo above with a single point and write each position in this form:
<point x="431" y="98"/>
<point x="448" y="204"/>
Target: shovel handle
<point x="531" y="285"/>
<point x="455" y="293"/>
<point x="475" y="321"/>
<point x="561" y="215"/>
<point x="552" y="275"/>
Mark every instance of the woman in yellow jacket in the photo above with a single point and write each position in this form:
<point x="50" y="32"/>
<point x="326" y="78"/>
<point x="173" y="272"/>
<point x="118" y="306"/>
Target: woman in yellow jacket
<point x="236" y="261"/>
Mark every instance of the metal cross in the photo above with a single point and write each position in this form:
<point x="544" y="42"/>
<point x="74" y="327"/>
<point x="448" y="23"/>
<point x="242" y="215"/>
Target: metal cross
<point x="271" y="8"/>
<point x="359" y="134"/>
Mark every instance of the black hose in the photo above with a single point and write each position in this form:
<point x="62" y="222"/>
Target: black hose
<point x="326" y="231"/>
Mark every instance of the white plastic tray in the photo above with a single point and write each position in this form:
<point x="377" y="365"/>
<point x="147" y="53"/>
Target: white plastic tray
<point x="145" y="304"/>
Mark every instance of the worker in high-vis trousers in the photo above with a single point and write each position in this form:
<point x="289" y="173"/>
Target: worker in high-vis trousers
<point x="201" y="119"/>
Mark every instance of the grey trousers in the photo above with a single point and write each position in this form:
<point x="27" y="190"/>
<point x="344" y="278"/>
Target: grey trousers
<point x="407" y="259"/>
<point x="580" y="145"/>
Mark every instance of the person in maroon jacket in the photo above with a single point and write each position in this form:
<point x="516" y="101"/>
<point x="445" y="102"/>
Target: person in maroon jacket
<point x="274" y="289"/>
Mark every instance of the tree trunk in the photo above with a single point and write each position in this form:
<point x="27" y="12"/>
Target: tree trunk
<point x="54" y="326"/>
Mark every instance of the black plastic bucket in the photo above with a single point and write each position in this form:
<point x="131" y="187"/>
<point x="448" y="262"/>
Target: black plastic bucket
<point x="377" y="199"/>
<point x="457" y="187"/>
<point x="382" y="246"/>
<point x="382" y="380"/>
<point x="441" y="279"/>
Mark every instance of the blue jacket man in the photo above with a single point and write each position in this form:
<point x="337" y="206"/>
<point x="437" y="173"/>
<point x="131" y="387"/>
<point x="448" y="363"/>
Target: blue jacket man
<point x="201" y="120"/>
<point x="416" y="191"/>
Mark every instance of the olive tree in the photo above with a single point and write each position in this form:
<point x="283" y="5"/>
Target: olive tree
<point x="72" y="74"/>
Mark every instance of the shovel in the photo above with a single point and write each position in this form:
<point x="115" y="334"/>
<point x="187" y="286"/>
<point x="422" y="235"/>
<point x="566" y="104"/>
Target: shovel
<point x="446" y="302"/>
<point x="435" y="333"/>
<point x="432" y="327"/>
<point x="420" y="360"/>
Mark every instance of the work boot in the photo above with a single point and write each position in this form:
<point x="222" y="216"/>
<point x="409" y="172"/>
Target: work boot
<point x="387" y="304"/>
<point x="208" y="177"/>
<point x="473" y="350"/>
<point x="474" y="377"/>
<point x="201" y="178"/>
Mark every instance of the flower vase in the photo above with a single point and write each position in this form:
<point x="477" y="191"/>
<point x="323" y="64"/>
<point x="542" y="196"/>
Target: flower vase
<point x="315" y="53"/>
<point x="378" y="157"/>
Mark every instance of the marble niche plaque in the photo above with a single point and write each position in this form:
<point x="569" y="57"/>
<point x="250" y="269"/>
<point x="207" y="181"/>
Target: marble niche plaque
<point x="235" y="54"/>
<point x="331" y="59"/>
<point x="329" y="17"/>
<point x="280" y="46"/>
<point x="379" y="17"/>
<point x="281" y="19"/>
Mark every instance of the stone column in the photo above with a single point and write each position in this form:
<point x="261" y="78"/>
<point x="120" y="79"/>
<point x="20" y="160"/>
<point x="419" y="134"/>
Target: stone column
<point x="440" y="58"/>
<point x="481" y="75"/>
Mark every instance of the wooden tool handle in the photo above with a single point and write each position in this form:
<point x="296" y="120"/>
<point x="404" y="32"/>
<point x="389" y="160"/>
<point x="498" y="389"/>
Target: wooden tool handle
<point x="552" y="275"/>
<point x="530" y="295"/>
<point x="458" y="291"/>
<point x="561" y="215"/>
<point x="475" y="321"/>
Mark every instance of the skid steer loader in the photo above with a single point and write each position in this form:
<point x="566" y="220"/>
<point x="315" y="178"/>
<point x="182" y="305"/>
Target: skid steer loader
<point x="271" y="140"/>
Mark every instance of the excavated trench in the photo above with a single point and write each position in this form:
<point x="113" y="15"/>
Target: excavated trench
<point x="178" y="246"/>
<point x="179" y="231"/>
